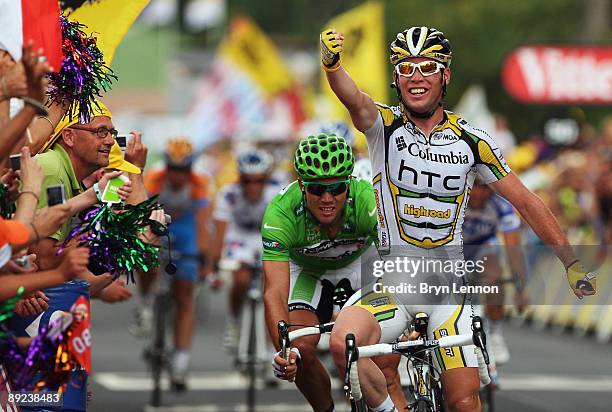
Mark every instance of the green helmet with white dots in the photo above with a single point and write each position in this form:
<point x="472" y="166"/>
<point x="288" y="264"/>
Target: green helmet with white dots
<point x="323" y="156"/>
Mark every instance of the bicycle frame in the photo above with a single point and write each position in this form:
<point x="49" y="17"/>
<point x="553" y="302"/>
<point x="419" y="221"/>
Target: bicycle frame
<point x="155" y="352"/>
<point x="252" y="354"/>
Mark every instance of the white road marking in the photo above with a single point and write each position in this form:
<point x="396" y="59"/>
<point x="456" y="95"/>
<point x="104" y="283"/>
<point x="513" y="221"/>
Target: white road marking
<point x="556" y="383"/>
<point x="227" y="381"/>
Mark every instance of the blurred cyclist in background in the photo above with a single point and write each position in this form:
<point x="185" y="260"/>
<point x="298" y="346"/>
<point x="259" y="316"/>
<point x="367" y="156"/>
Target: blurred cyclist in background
<point x="487" y="215"/>
<point x="184" y="195"/>
<point x="239" y="208"/>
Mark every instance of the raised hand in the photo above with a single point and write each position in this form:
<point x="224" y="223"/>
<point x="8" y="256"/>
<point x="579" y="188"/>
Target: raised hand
<point x="136" y="151"/>
<point x="36" y="67"/>
<point x="331" y="47"/>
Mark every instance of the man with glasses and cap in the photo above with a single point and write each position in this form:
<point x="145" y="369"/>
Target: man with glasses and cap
<point x="74" y="152"/>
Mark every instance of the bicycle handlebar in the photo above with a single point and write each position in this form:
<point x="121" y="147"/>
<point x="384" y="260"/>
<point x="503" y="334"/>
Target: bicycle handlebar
<point x="285" y="337"/>
<point x="310" y="330"/>
<point x="413" y="345"/>
<point x="483" y="371"/>
<point x="407" y="347"/>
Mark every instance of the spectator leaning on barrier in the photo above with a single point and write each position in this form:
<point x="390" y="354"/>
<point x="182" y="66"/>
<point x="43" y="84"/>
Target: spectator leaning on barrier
<point x="77" y="151"/>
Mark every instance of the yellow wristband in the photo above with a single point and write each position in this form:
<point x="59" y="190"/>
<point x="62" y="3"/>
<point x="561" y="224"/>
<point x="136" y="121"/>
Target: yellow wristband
<point x="332" y="69"/>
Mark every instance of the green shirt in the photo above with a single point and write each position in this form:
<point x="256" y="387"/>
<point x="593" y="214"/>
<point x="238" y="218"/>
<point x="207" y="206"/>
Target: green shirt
<point x="58" y="170"/>
<point x="290" y="232"/>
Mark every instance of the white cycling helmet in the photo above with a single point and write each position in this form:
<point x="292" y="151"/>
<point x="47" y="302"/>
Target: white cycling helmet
<point x="255" y="162"/>
<point x="363" y="169"/>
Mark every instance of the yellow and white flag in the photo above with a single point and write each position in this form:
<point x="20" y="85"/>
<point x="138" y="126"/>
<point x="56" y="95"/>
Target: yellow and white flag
<point x="250" y="92"/>
<point x="252" y="52"/>
<point x="109" y="20"/>
<point x="363" y="53"/>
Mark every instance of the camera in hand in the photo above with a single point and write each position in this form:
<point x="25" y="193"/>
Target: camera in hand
<point x="56" y="195"/>
<point x="23" y="261"/>
<point x="122" y="141"/>
<point x="15" y="162"/>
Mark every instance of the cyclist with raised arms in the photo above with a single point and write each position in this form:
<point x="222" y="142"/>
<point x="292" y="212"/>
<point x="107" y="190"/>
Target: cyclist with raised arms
<point x="314" y="234"/>
<point x="239" y="209"/>
<point x="424" y="161"/>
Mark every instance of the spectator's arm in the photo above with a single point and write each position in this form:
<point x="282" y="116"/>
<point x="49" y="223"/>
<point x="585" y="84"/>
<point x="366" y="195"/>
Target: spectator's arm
<point x="42" y="128"/>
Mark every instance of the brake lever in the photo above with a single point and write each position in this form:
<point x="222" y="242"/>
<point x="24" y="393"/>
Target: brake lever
<point x="351" y="355"/>
<point x="479" y="337"/>
<point x="283" y="338"/>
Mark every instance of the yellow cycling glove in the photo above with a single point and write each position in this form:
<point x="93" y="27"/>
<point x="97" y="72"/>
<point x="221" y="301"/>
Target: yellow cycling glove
<point x="580" y="280"/>
<point x="330" y="50"/>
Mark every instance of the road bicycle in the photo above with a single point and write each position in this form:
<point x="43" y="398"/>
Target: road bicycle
<point x="425" y="387"/>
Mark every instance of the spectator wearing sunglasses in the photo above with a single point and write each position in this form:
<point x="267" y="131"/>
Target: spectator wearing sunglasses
<point x="239" y="209"/>
<point x="314" y="234"/>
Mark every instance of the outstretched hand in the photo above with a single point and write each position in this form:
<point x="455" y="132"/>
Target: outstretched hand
<point x="35" y="67"/>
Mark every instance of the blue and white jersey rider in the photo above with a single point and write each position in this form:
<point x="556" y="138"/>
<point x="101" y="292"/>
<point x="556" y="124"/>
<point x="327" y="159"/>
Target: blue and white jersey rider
<point x="481" y="225"/>
<point x="243" y="215"/>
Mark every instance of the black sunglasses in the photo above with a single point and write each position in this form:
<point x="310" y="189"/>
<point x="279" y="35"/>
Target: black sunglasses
<point x="318" y="189"/>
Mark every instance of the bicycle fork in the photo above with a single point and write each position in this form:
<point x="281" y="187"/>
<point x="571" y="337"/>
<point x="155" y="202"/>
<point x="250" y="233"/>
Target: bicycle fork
<point x="422" y="374"/>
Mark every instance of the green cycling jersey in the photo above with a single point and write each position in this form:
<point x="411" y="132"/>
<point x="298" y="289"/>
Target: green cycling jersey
<point x="290" y="232"/>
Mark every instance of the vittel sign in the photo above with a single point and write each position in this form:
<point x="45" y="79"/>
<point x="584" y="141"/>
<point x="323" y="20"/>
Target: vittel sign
<point x="559" y="74"/>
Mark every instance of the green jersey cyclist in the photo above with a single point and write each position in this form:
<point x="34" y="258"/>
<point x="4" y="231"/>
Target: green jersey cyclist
<point x="314" y="233"/>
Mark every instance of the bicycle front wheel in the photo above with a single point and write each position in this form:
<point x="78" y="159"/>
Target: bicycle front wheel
<point x="423" y="406"/>
<point x="358" y="406"/>
<point x="486" y="399"/>
<point x="157" y="350"/>
<point x="252" y="357"/>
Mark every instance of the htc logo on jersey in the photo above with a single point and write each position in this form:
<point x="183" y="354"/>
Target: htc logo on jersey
<point x="430" y="176"/>
<point x="449" y="158"/>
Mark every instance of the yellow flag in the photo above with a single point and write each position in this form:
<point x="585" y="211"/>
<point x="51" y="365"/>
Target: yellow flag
<point x="109" y="20"/>
<point x="364" y="54"/>
<point x="250" y="50"/>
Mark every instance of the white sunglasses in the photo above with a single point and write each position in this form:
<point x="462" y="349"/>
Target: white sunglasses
<point x="427" y="68"/>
